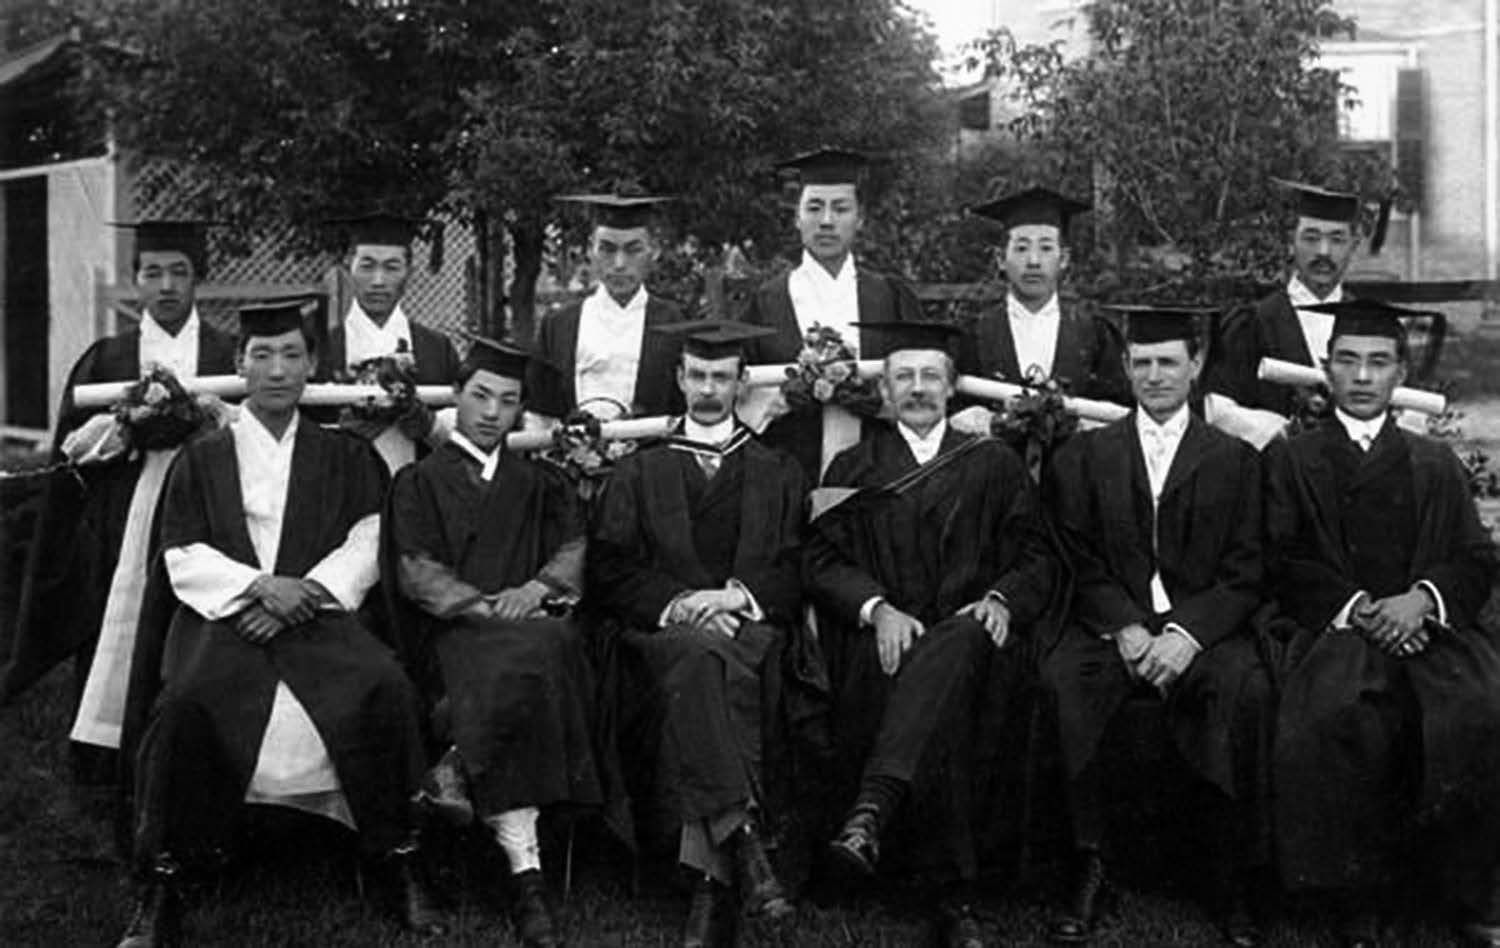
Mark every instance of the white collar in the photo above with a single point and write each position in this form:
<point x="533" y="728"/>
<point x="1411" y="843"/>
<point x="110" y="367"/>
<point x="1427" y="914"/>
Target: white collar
<point x="151" y="328"/>
<point x="1017" y="310"/>
<point x="255" y="428"/>
<point x="928" y="441"/>
<point x="1300" y="296"/>
<point x="488" y="461"/>
<point x="1171" y="428"/>
<point x="396" y="326"/>
<point x="1355" y="427"/>
<point x="636" y="305"/>
<point x="708" y="434"/>
<point x="811" y="268"/>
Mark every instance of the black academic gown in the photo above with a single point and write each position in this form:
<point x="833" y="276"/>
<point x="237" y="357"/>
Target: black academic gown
<point x="201" y="696"/>
<point x="432" y="351"/>
<point x="82" y="523"/>
<point x="1208" y="550"/>
<point x="1269" y="329"/>
<point x="520" y="693"/>
<point x="1087" y="356"/>
<point x="881" y="298"/>
<point x="697" y="712"/>
<point x="1366" y="743"/>
<point x="970" y="526"/>
<point x="552" y="388"/>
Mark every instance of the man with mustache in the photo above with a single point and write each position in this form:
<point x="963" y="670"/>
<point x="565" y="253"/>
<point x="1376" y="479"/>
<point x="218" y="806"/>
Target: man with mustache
<point x="924" y="576"/>
<point x="489" y="547"/>
<point x="82" y="531"/>
<point x="1389" y="726"/>
<point x="695" y="550"/>
<point x="601" y="352"/>
<point x="1286" y="324"/>
<point x="1159" y="515"/>
<point x="829" y="287"/>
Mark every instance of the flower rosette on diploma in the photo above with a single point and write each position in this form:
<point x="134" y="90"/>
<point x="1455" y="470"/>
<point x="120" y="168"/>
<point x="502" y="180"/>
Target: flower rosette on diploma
<point x="1036" y="422"/>
<point x="397" y="403"/>
<point x="156" y="413"/>
<point x="826" y="373"/>
<point x="580" y="448"/>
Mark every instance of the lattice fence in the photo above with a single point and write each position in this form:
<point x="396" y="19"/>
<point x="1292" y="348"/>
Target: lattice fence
<point x="444" y="300"/>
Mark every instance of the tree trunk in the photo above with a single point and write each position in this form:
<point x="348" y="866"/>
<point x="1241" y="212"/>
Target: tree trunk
<point x="527" y="240"/>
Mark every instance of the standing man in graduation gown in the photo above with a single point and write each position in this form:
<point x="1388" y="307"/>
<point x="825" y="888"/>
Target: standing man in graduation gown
<point x="264" y="686"/>
<point x="486" y="544"/>
<point x="1390" y="712"/>
<point x="1160" y="516"/>
<point x="1286" y="324"/>
<point x="696" y="549"/>
<point x="828" y="287"/>
<point x="1035" y="334"/>
<point x="81" y="579"/>
<point x="601" y="353"/>
<point x="921" y="579"/>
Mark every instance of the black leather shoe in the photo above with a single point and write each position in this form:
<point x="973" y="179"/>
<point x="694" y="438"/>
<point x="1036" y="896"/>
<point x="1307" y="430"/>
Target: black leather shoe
<point x="708" y="921"/>
<point x="411" y="900"/>
<point x="761" y="893"/>
<point x="961" y="928"/>
<point x="857" y="847"/>
<point x="1087" y="904"/>
<point x="154" y="922"/>
<point x="444" y="792"/>
<point x="533" y="916"/>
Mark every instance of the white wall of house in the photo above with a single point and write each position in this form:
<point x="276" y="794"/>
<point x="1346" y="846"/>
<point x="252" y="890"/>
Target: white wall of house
<point x="81" y="257"/>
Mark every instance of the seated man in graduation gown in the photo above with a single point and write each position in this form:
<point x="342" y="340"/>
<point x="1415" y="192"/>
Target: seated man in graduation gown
<point x="87" y="563"/>
<point x="1159" y="515"/>
<point x="1036" y="334"/>
<point x="376" y="324"/>
<point x="601" y="354"/>
<point x="696" y="552"/>
<point x="263" y="684"/>
<point x="1390" y="708"/>
<point x="487" y="544"/>
<point x="1286" y="325"/>
<point x="921" y="578"/>
<point x="830" y="288"/>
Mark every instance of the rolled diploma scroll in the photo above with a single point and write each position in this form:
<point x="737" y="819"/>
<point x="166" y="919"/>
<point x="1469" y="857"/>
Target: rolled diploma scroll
<point x="1291" y="373"/>
<point x="103" y="394"/>
<point x="631" y="428"/>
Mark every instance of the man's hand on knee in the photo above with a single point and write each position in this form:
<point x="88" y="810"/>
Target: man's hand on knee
<point x="1167" y="658"/>
<point x="992" y="613"/>
<point x="895" y="633"/>
<point x="1132" y="642"/>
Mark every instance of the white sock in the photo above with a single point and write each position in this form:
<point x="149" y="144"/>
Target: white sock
<point x="515" y="831"/>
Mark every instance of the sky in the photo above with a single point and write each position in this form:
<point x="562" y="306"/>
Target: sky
<point x="955" y="22"/>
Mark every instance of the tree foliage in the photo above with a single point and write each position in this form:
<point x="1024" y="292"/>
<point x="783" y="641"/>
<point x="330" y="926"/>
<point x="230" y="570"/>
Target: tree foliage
<point x="1177" y="122"/>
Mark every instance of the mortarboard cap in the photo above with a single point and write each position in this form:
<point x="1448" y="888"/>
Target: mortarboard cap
<point x="184" y="236"/>
<point x="1323" y="203"/>
<point x="893" y="335"/>
<point x="379" y="228"/>
<point x="827" y="166"/>
<point x="715" y="338"/>
<point x="1146" y="324"/>
<point x="1032" y="206"/>
<point x="1367" y="318"/>
<point x="274" y="317"/>
<point x="623" y="211"/>
<point x="504" y="359"/>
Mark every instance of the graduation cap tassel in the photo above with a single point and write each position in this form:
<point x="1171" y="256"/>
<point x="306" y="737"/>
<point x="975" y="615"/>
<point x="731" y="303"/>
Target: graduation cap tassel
<point x="1382" y="224"/>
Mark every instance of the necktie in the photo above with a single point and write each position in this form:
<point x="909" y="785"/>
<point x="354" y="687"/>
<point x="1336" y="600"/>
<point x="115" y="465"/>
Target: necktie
<point x="710" y="464"/>
<point x="1365" y="441"/>
<point x="1156" y="456"/>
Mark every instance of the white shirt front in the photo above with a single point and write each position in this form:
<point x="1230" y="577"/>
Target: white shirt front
<point x="178" y="354"/>
<point x="608" y="354"/>
<point x="1317" y="328"/>
<point x="364" y="340"/>
<point x="708" y="434"/>
<point x="1159" y="444"/>
<point x="1034" y="334"/>
<point x="1361" y="432"/>
<point x="924" y="447"/>
<point x="830" y="300"/>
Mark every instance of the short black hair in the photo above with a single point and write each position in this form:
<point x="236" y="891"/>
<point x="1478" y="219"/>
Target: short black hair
<point x="1403" y="345"/>
<point x="466" y="370"/>
<point x="194" y="260"/>
<point x="308" y="336"/>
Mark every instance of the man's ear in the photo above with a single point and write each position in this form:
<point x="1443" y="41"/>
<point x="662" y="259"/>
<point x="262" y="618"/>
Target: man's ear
<point x="1064" y="258"/>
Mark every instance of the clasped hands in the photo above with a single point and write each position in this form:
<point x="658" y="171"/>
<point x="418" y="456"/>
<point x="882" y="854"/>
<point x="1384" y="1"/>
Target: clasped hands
<point x="717" y="610"/>
<point x="1159" y="660"/>
<point x="1395" y="624"/>
<point x="896" y="632"/>
<point x="518" y="602"/>
<point x="280" y="602"/>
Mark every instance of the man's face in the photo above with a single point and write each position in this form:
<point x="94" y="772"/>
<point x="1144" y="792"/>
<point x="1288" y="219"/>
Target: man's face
<point x="1162" y="375"/>
<point x="379" y="273"/>
<point x="167" y="284"/>
<point x="1321" y="251"/>
<point x="711" y="387"/>
<point x="828" y="219"/>
<point x="622" y="258"/>
<point x="1033" y="259"/>
<point x="488" y="407"/>
<point x="275" y="370"/>
<point x="1363" y="372"/>
<point x="918" y="384"/>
